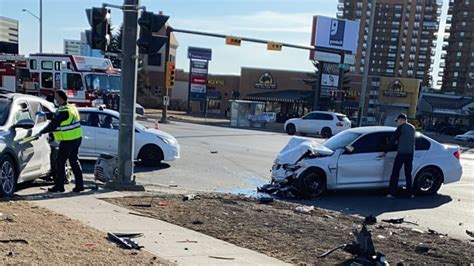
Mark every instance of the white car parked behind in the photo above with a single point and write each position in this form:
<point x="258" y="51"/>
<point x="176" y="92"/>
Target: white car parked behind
<point x="468" y="136"/>
<point x="321" y="123"/>
<point x="100" y="135"/>
<point x="353" y="159"/>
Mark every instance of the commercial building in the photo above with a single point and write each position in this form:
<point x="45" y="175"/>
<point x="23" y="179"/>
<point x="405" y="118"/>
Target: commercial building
<point x="458" y="67"/>
<point x="435" y="108"/>
<point x="8" y="36"/>
<point x="285" y="93"/>
<point x="403" y="37"/>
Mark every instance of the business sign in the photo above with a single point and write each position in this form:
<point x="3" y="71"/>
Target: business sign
<point x="337" y="34"/>
<point x="265" y="82"/>
<point x="199" y="53"/>
<point x="215" y="82"/>
<point x="329" y="79"/>
<point x="395" y="89"/>
<point x="198" y="80"/>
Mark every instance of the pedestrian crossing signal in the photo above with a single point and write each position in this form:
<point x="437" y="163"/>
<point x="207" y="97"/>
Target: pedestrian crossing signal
<point x="273" y="46"/>
<point x="230" y="40"/>
<point x="170" y="71"/>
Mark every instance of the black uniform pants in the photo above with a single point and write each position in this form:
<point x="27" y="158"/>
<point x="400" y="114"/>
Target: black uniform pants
<point x="69" y="150"/>
<point x="401" y="160"/>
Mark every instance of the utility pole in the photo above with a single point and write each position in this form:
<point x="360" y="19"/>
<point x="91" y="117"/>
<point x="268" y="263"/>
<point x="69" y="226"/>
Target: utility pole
<point x="41" y="27"/>
<point x="128" y="95"/>
<point x="366" y="65"/>
<point x="164" y="110"/>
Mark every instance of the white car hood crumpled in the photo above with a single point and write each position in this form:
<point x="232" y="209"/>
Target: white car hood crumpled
<point x="297" y="147"/>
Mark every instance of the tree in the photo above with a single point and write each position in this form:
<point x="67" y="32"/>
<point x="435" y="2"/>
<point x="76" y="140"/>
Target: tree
<point x="116" y="48"/>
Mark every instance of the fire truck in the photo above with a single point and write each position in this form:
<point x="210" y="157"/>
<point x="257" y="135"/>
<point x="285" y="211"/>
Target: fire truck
<point x="85" y="79"/>
<point x="14" y="74"/>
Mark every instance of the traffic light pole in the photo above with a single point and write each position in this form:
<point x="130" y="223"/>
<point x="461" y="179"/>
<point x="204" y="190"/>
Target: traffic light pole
<point x="128" y="95"/>
<point x="164" y="110"/>
<point x="339" y="85"/>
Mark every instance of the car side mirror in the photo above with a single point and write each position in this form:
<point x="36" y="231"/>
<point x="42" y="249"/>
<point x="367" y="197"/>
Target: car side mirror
<point x="349" y="149"/>
<point x="25" y="124"/>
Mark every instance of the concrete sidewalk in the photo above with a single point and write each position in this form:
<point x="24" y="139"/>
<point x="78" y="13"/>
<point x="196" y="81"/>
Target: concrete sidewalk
<point x="163" y="239"/>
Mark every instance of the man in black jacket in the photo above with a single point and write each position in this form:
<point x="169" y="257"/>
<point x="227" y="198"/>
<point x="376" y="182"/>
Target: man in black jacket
<point x="404" y="138"/>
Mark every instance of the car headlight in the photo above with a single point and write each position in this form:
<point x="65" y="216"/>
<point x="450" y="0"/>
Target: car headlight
<point x="168" y="141"/>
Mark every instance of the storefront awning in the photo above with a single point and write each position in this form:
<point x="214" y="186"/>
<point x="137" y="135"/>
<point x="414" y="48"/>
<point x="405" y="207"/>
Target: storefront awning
<point x="445" y="106"/>
<point x="284" y="96"/>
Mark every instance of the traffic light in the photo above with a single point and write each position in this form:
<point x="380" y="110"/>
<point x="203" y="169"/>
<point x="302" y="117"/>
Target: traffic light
<point x="100" y="34"/>
<point x="151" y="23"/>
<point x="230" y="40"/>
<point x="346" y="81"/>
<point x="274" y="46"/>
<point x="170" y="70"/>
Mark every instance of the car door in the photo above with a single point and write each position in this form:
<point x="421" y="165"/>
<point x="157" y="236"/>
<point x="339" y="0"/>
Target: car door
<point x="24" y="148"/>
<point x="42" y="149"/>
<point x="107" y="134"/>
<point x="89" y="124"/>
<point x="310" y="123"/>
<point x="422" y="145"/>
<point x="364" y="165"/>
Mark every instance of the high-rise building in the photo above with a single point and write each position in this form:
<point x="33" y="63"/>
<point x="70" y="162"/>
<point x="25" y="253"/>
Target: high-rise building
<point x="403" y="36"/>
<point x="72" y="47"/>
<point x="8" y="36"/>
<point x="458" y="66"/>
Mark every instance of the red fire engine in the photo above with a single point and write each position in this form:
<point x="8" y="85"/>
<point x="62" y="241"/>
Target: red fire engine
<point x="84" y="79"/>
<point x="14" y="74"/>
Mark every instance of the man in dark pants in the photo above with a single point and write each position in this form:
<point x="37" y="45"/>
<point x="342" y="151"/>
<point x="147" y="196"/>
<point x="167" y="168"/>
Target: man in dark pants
<point x="404" y="137"/>
<point x="66" y="129"/>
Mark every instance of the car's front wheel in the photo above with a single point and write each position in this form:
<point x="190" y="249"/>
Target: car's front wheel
<point x="151" y="155"/>
<point x="428" y="181"/>
<point x="8" y="176"/>
<point x="311" y="183"/>
<point x="291" y="129"/>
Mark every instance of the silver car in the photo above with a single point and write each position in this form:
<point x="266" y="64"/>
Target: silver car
<point x="22" y="157"/>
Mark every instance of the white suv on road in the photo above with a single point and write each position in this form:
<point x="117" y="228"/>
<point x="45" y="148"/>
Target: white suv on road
<point x="321" y="123"/>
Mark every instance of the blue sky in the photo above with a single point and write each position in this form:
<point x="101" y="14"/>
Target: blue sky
<point x="278" y="20"/>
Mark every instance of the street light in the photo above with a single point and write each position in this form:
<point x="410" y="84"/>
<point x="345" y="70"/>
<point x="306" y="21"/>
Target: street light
<point x="40" y="19"/>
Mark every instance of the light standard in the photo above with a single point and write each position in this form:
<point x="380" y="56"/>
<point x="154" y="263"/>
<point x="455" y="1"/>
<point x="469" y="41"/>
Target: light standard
<point x="40" y="19"/>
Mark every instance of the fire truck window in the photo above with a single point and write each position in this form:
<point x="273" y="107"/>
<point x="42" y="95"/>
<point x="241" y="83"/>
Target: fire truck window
<point x="68" y="65"/>
<point x="47" y="80"/>
<point x="47" y="65"/>
<point x="72" y="82"/>
<point x="97" y="82"/>
<point x="115" y="83"/>
<point x="57" y="65"/>
<point x="33" y="64"/>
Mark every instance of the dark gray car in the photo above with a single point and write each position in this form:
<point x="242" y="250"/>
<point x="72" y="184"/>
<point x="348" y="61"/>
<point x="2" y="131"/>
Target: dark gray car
<point x="22" y="158"/>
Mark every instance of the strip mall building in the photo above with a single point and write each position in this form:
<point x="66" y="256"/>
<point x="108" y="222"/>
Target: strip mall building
<point x="285" y="93"/>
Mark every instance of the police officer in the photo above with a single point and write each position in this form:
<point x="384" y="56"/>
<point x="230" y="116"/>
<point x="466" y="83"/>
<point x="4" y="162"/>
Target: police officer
<point x="66" y="129"/>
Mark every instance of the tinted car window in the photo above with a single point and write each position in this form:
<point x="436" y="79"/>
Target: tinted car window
<point x="374" y="142"/>
<point x="311" y="116"/>
<point x="326" y="117"/>
<point x="422" y="144"/>
<point x="4" y="111"/>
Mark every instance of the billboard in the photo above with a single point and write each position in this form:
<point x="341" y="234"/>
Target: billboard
<point x="337" y="34"/>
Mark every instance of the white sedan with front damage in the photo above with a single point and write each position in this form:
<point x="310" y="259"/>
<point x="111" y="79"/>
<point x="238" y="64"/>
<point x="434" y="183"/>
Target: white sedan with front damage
<point x="354" y="159"/>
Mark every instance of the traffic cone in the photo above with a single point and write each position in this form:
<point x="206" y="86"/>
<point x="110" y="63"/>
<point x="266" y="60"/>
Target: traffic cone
<point x="157" y="125"/>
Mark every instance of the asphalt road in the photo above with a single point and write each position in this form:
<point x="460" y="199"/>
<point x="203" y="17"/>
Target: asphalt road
<point x="237" y="160"/>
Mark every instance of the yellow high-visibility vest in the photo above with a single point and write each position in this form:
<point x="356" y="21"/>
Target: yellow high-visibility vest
<point x="69" y="129"/>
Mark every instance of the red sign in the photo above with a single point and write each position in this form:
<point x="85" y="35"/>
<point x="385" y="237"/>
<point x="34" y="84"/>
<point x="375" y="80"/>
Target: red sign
<point x="199" y="80"/>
